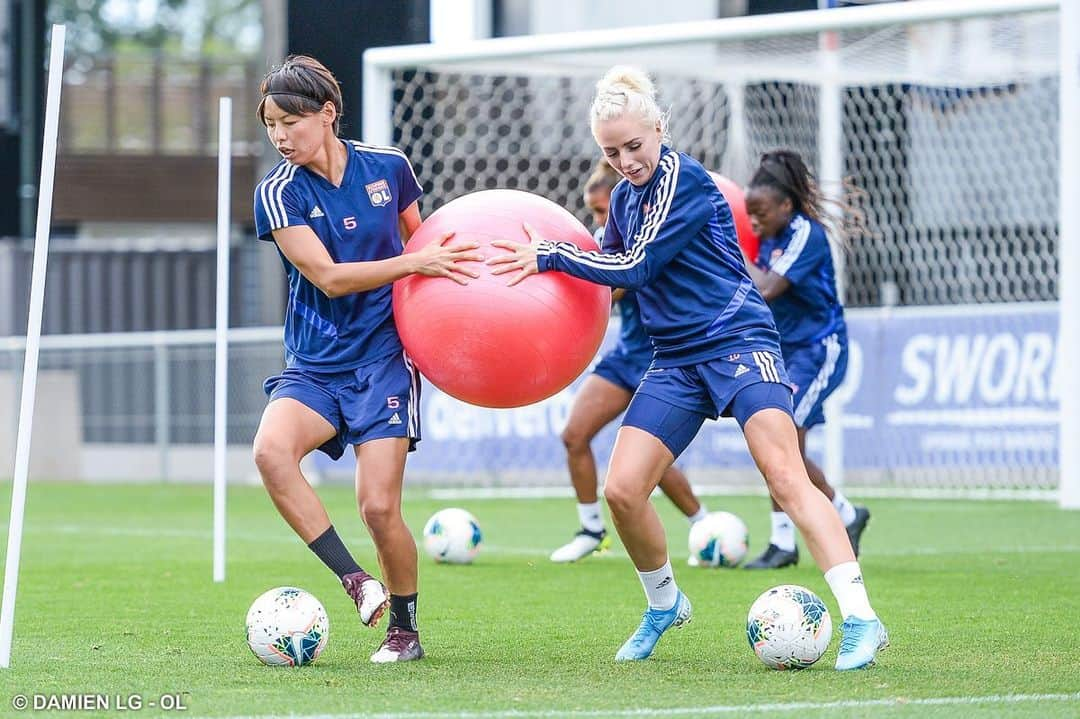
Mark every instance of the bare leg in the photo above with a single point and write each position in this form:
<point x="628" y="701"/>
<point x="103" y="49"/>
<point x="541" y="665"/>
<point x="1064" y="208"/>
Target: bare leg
<point x="287" y="432"/>
<point x="814" y="472"/>
<point x="773" y="442"/>
<point x="596" y="405"/>
<point x="380" y="470"/>
<point x="637" y="463"/>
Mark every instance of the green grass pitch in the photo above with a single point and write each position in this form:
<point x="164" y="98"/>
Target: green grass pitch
<point x="982" y="601"/>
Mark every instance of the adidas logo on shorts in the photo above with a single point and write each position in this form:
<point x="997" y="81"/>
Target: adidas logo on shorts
<point x="741" y="370"/>
<point x="395" y="419"/>
<point x="317" y="212"/>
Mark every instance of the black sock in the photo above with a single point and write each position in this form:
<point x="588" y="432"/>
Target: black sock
<point x="331" y="550"/>
<point x="403" y="611"/>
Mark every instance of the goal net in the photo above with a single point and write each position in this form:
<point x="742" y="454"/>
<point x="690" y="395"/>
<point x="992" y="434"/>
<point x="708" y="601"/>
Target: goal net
<point x="938" y="130"/>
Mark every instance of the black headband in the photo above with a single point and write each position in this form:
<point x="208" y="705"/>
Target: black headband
<point x="292" y="94"/>
<point x="780" y="181"/>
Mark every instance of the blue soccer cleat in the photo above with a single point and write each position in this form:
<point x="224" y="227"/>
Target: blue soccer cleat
<point x="655" y="622"/>
<point x="860" y="641"/>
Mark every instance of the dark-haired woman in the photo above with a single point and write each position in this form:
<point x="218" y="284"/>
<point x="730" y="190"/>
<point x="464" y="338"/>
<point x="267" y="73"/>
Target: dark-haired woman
<point x="794" y="273"/>
<point x="339" y="212"/>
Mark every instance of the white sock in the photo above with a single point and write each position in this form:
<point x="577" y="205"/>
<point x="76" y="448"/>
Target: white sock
<point x="846" y="582"/>
<point x="660" y="588"/>
<point x="844" y="507"/>
<point x="589" y="514"/>
<point x="783" y="532"/>
<point x="698" y="515"/>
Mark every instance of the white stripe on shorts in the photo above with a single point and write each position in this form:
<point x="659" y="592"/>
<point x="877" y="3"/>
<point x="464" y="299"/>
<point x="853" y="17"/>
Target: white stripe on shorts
<point x="414" y="397"/>
<point x="832" y="354"/>
<point x="766" y="366"/>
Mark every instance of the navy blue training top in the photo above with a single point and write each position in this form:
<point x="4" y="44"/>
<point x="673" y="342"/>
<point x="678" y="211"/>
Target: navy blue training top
<point x="673" y="241"/>
<point x="809" y="310"/>
<point x="356" y="222"/>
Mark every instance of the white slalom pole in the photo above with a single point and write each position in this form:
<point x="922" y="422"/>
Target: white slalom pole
<point x="1069" y="256"/>
<point x="221" y="344"/>
<point x="33" y="343"/>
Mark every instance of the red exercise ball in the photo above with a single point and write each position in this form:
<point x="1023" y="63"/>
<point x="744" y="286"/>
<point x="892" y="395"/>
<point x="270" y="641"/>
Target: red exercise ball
<point x="493" y="345"/>
<point x="748" y="241"/>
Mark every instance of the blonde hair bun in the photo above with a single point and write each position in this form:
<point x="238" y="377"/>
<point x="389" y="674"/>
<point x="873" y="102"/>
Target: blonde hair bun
<point x="626" y="89"/>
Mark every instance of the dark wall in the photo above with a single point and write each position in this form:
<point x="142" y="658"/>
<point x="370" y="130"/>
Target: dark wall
<point x="23" y="138"/>
<point x="9" y="182"/>
<point x="764" y="7"/>
<point x="336" y="32"/>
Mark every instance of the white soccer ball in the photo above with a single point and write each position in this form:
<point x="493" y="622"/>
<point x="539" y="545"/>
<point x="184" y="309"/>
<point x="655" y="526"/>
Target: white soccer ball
<point x="718" y="540"/>
<point x="452" y="536"/>
<point x="288" y="627"/>
<point x="789" y="627"/>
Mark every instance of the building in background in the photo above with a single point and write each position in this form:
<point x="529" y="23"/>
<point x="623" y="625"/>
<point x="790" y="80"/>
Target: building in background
<point x="135" y="198"/>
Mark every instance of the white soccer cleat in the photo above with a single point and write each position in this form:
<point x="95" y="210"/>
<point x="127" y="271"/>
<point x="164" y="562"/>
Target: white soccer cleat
<point x="369" y="594"/>
<point x="582" y="545"/>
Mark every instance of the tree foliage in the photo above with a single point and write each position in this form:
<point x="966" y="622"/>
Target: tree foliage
<point x="203" y="27"/>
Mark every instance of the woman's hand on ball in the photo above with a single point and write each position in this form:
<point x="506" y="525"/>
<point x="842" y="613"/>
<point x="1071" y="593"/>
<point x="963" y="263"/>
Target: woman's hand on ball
<point x="520" y="256"/>
<point x="439" y="260"/>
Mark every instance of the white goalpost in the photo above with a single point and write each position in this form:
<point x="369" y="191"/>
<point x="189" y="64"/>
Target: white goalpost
<point x="33" y="342"/>
<point x="1069" y="267"/>
<point x="948" y="126"/>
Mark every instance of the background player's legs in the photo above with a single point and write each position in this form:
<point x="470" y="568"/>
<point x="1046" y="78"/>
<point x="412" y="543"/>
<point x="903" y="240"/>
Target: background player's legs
<point x="380" y="469"/>
<point x="854" y="518"/>
<point x="288" y="431"/>
<point x="597" y="403"/>
<point x="817" y="476"/>
<point x="774" y="444"/>
<point x="782" y="551"/>
<point x="676" y="486"/>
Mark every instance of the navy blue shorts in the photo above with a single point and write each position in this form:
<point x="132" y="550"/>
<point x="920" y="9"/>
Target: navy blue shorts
<point x="622" y="369"/>
<point x="672" y="402"/>
<point x="380" y="399"/>
<point x="815" y="372"/>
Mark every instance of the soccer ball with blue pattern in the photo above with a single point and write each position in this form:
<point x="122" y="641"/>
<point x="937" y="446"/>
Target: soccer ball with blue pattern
<point x="789" y="627"/>
<point x="452" y="536"/>
<point x="288" y="627"/>
<point x="718" y="540"/>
